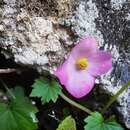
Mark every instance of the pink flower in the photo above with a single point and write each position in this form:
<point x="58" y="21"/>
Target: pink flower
<point x="84" y="64"/>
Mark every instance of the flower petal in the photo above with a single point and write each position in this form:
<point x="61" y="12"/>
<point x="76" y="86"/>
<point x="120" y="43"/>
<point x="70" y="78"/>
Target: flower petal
<point x="85" y="47"/>
<point x="61" y="73"/>
<point x="77" y="82"/>
<point x="99" y="63"/>
<point x="62" y="70"/>
<point x="80" y="85"/>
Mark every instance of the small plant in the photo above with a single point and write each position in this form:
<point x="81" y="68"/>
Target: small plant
<point x="77" y="74"/>
<point x="96" y="122"/>
<point x="47" y="90"/>
<point x="85" y="63"/>
<point x="17" y="113"/>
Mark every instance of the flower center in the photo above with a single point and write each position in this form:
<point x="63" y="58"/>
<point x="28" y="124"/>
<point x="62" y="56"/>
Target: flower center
<point x="82" y="63"/>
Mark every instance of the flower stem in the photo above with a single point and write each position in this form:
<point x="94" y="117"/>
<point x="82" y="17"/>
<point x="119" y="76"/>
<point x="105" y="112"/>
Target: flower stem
<point x="7" y="89"/>
<point x="73" y="103"/>
<point x="113" y="98"/>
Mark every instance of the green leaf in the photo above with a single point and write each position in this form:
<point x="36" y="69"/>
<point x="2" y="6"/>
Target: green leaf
<point x="67" y="124"/>
<point x="66" y="112"/>
<point x="46" y="89"/>
<point x="18" y="91"/>
<point x="96" y="122"/>
<point x="18" y="114"/>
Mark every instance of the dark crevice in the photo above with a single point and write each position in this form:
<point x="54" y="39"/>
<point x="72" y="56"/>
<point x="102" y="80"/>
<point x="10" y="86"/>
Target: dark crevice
<point x="51" y="114"/>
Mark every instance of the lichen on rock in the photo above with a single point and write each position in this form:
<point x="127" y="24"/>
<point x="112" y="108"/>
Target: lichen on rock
<point x="52" y="8"/>
<point x="31" y="39"/>
<point x="117" y="4"/>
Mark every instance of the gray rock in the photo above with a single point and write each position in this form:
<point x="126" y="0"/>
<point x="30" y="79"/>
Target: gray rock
<point x="109" y="22"/>
<point x="32" y="40"/>
<point x="114" y="25"/>
<point x="117" y="4"/>
<point x="40" y="35"/>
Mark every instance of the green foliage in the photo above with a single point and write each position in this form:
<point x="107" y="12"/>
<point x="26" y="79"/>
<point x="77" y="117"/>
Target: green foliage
<point x="66" y="112"/>
<point x="17" y="113"/>
<point x="46" y="89"/>
<point x="96" y="122"/>
<point x="18" y="91"/>
<point x="67" y="124"/>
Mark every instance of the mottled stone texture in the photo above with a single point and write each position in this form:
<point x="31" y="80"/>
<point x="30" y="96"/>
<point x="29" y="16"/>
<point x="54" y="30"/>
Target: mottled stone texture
<point x="40" y="33"/>
<point x="31" y="39"/>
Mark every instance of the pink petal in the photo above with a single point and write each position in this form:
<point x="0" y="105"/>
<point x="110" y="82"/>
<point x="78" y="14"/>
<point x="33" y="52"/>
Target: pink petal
<point x="80" y="82"/>
<point x="61" y="73"/>
<point x="77" y="82"/>
<point x="99" y="63"/>
<point x="84" y="47"/>
<point x="80" y="85"/>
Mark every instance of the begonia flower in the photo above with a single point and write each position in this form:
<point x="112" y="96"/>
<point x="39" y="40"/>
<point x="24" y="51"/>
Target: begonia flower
<point x="83" y="65"/>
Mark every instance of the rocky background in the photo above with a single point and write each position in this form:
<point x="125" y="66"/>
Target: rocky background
<point x="40" y="33"/>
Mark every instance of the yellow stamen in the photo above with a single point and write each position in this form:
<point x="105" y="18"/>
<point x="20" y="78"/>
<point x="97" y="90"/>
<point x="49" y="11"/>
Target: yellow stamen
<point x="82" y="63"/>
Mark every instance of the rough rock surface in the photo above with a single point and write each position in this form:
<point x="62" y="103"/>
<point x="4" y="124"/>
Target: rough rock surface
<point x="40" y="33"/>
<point x="32" y="40"/>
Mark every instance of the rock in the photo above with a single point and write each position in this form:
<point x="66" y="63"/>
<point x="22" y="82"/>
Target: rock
<point x="33" y="41"/>
<point x="114" y="25"/>
<point x="117" y="4"/>
<point x="83" y="22"/>
<point x="40" y="34"/>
